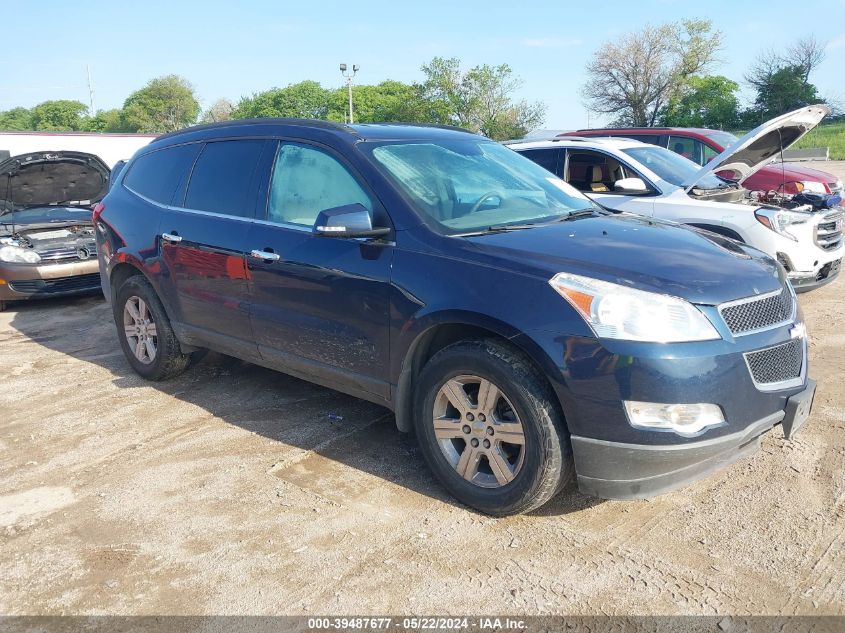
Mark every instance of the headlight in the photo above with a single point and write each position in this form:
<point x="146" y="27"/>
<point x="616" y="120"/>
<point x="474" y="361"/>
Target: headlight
<point x="619" y="312"/>
<point x="812" y="186"/>
<point x="779" y="220"/>
<point x="18" y="255"/>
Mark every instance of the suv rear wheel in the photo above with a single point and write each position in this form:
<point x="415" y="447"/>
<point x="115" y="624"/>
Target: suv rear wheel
<point x="146" y="337"/>
<point x="489" y="428"/>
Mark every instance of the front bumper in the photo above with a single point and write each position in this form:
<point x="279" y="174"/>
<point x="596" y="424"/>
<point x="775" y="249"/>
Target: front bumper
<point x="29" y="281"/>
<point x="804" y="282"/>
<point x="614" y="470"/>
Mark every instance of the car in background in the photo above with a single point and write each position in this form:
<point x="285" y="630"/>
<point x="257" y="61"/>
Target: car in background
<point x="627" y="175"/>
<point x="519" y="329"/>
<point x="47" y="244"/>
<point x="701" y="145"/>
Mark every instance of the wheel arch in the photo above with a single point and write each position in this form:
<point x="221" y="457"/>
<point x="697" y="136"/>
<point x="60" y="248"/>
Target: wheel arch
<point x="445" y="329"/>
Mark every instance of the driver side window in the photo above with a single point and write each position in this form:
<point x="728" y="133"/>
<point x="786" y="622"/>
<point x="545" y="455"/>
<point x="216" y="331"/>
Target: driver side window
<point x="307" y="180"/>
<point x="594" y="172"/>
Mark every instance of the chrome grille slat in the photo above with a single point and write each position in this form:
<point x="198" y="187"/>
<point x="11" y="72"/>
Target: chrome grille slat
<point x="758" y="313"/>
<point x="780" y="364"/>
<point x="829" y="231"/>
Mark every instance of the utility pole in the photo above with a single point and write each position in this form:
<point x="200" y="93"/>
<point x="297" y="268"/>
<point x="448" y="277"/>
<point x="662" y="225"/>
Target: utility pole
<point x="349" y="77"/>
<point x="91" y="110"/>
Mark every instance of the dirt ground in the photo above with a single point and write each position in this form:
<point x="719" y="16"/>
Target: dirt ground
<point x="237" y="490"/>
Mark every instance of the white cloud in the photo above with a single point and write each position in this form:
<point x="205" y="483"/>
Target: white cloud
<point x="550" y="42"/>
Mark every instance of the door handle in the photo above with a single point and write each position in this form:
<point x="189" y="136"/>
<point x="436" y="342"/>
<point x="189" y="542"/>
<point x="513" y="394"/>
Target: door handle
<point x="171" y="237"/>
<point x="267" y="256"/>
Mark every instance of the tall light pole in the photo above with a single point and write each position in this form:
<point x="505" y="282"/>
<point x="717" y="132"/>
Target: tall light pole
<point x="349" y="77"/>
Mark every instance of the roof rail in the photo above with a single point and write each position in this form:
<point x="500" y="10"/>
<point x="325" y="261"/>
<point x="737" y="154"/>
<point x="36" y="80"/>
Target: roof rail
<point x="439" y="126"/>
<point x="555" y="139"/>
<point x="314" y="123"/>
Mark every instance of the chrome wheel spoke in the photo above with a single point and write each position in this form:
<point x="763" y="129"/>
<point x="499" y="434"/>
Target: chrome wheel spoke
<point x="500" y="466"/>
<point x="446" y="429"/>
<point x="130" y="331"/>
<point x="467" y="465"/>
<point x="132" y="308"/>
<point x="139" y="349"/>
<point x="150" y="347"/>
<point x="151" y="329"/>
<point x="488" y="396"/>
<point x="509" y="432"/>
<point x="454" y="391"/>
<point x="142" y="309"/>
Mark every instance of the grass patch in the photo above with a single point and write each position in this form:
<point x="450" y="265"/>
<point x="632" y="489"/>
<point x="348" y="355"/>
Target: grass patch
<point x="831" y="135"/>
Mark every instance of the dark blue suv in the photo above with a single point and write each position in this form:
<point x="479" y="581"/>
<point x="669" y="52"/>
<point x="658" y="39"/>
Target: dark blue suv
<point x="522" y="332"/>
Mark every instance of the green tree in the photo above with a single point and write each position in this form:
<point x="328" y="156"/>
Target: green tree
<point x="220" y="110"/>
<point x="63" y="115"/>
<point x="480" y="99"/>
<point x="635" y="76"/>
<point x="709" y="101"/>
<point x="16" y="119"/>
<point x="165" y="104"/>
<point x="387" y="101"/>
<point x="106" y="121"/>
<point x="306" y="99"/>
<point x="785" y="90"/>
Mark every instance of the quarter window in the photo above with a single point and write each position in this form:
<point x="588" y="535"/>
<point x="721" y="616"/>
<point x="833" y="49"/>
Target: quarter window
<point x="224" y="179"/>
<point x="158" y="175"/>
<point x="306" y="181"/>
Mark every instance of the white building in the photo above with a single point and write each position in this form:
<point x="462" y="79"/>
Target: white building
<point x="109" y="147"/>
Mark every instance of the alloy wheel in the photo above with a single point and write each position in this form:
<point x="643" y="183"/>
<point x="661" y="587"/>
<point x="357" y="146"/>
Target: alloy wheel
<point x="140" y="329"/>
<point x="479" y="431"/>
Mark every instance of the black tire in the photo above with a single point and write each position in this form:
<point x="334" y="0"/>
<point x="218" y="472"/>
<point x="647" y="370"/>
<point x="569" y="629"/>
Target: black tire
<point x="169" y="361"/>
<point x="546" y="463"/>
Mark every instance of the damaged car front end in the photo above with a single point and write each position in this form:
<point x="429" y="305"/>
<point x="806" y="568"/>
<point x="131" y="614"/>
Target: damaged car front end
<point x="47" y="242"/>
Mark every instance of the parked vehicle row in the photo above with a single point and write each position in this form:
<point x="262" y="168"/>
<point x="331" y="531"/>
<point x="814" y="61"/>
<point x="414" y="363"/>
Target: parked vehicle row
<point x="524" y="332"/>
<point x="702" y="145"/>
<point x="627" y="175"/>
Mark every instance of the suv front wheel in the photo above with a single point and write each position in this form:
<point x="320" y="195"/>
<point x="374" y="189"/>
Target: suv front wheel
<point x="489" y="428"/>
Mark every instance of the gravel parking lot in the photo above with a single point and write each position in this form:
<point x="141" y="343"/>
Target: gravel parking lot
<point x="234" y="489"/>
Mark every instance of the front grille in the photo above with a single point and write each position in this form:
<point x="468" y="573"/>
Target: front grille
<point x="777" y="364"/>
<point x="829" y="232"/>
<point x="59" y="284"/>
<point x="758" y="313"/>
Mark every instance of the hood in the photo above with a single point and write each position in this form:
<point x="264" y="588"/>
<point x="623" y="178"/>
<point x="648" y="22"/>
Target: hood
<point x="52" y="178"/>
<point x="642" y="253"/>
<point x="762" y="144"/>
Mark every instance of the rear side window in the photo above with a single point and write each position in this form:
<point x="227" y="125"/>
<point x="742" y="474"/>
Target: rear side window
<point x="158" y="175"/>
<point x="545" y="158"/>
<point x="225" y="178"/>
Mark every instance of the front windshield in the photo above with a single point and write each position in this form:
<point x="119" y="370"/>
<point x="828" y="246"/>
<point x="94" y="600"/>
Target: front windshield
<point x="466" y="186"/>
<point x="672" y="167"/>
<point x="725" y="139"/>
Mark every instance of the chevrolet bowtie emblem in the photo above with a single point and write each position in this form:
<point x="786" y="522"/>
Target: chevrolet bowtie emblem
<point x="799" y="330"/>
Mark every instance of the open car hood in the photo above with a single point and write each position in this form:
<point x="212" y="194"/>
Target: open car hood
<point x="762" y="144"/>
<point x="52" y="178"/>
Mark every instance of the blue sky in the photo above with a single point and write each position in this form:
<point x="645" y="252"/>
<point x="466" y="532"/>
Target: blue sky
<point x="230" y="49"/>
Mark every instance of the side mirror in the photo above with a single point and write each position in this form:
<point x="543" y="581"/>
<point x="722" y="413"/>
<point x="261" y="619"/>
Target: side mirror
<point x="350" y="220"/>
<point x="630" y="185"/>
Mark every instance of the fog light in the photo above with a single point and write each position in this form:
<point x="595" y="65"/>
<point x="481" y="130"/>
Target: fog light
<point x="683" y="419"/>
